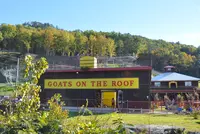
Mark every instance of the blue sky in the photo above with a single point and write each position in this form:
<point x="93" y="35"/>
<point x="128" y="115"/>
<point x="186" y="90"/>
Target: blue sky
<point x="171" y="20"/>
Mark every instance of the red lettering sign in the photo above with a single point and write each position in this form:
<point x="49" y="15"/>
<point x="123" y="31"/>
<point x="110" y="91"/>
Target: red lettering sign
<point x="78" y="84"/>
<point x="69" y="84"/>
<point x="50" y="84"/>
<point x="83" y="83"/>
<point x="55" y="84"/>
<point x="104" y="83"/>
<point x="93" y="82"/>
<point x="98" y="83"/>
<point x="114" y="83"/>
<point x="131" y="82"/>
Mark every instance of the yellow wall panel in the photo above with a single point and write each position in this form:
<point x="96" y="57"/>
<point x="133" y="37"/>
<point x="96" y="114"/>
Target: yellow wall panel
<point x="100" y="83"/>
<point x="107" y="98"/>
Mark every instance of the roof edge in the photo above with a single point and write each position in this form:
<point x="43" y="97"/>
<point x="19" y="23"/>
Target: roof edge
<point x="140" y="68"/>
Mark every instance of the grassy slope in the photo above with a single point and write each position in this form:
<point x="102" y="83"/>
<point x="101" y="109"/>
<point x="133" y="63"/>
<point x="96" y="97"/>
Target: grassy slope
<point x="5" y="90"/>
<point x="185" y="121"/>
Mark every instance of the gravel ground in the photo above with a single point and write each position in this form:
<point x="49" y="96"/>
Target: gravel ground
<point x="155" y="129"/>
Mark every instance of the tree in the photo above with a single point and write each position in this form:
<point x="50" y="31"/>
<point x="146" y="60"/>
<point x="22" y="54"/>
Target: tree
<point x="1" y="36"/>
<point x="64" y="43"/>
<point x="101" y="45"/>
<point x="48" y="41"/>
<point x="71" y="44"/>
<point x="8" y="32"/>
<point x="119" y="47"/>
<point x="92" y="44"/>
<point x="81" y="43"/>
<point x="111" y="47"/>
<point x="36" y="24"/>
<point x="44" y="38"/>
<point x="37" y="41"/>
<point x="24" y="38"/>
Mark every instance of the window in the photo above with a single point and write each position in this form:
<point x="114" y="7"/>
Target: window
<point x="188" y="83"/>
<point x="157" y="84"/>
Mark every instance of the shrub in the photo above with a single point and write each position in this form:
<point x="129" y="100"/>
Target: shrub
<point x="23" y="116"/>
<point x="53" y="119"/>
<point x="195" y="114"/>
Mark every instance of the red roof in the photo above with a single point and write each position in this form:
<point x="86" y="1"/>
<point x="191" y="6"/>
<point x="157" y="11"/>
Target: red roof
<point x="139" y="68"/>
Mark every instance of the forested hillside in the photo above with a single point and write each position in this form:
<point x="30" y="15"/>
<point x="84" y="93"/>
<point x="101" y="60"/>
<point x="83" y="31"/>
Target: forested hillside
<point x="46" y="39"/>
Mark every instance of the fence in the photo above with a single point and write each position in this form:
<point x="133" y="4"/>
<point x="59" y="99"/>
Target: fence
<point x="161" y="106"/>
<point x="122" y="106"/>
<point x="137" y="106"/>
<point x="128" y="106"/>
<point x="64" y="62"/>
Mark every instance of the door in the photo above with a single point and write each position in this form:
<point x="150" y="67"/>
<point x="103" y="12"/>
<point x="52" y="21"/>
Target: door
<point x="107" y="97"/>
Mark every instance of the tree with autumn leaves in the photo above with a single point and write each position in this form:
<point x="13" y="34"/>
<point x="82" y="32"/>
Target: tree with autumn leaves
<point x="45" y="39"/>
<point x="52" y="41"/>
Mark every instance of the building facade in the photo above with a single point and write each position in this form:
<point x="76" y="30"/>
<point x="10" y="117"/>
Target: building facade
<point x="100" y="86"/>
<point x="173" y="83"/>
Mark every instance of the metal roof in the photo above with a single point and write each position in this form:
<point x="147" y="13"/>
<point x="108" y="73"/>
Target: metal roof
<point x="172" y="76"/>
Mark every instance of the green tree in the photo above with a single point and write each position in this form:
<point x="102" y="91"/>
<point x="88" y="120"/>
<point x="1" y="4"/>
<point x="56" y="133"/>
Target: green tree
<point x="9" y="32"/>
<point x="81" y="43"/>
<point x="44" y="38"/>
<point x="111" y="47"/>
<point x="101" y="46"/>
<point x="37" y="41"/>
<point x="1" y="36"/>
<point x="36" y="24"/>
<point x="119" y="47"/>
<point x="91" y="45"/>
<point x="48" y="41"/>
<point x="64" y="43"/>
<point x="24" y="38"/>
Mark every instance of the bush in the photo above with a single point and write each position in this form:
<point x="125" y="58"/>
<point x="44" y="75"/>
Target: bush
<point x="53" y="119"/>
<point x="195" y="114"/>
<point x="93" y="124"/>
<point x="24" y="116"/>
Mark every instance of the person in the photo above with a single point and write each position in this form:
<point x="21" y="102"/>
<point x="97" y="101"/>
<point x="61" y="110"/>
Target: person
<point x="113" y="102"/>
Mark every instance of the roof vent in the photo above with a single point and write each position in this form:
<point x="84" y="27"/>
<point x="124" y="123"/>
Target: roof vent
<point x="169" y="68"/>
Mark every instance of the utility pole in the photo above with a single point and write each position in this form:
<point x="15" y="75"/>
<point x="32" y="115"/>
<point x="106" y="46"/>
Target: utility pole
<point x="150" y="58"/>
